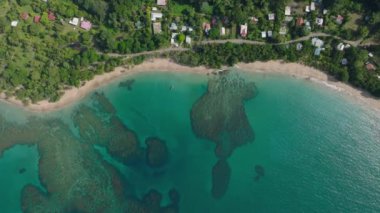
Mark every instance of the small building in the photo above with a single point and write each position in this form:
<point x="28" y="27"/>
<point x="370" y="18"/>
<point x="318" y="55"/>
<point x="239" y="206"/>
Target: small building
<point x="24" y="16"/>
<point x="300" y="22"/>
<point x="340" y="47"/>
<point x="51" y="16"/>
<point x="37" y="19"/>
<point x="156" y="15"/>
<point x="263" y="34"/>
<point x="206" y="27"/>
<point x="370" y="55"/>
<point x="222" y="31"/>
<point x="312" y="6"/>
<point x="319" y="21"/>
<point x="288" y="11"/>
<point x="254" y="20"/>
<point x="317" y="51"/>
<point x="307" y="9"/>
<point x="283" y="30"/>
<point x="325" y="12"/>
<point x="244" y="30"/>
<point x="317" y="42"/>
<point x="299" y="46"/>
<point x="173" y="41"/>
<point x="270" y="34"/>
<point x="157" y="28"/>
<point x="74" y="21"/>
<point x="86" y="25"/>
<point x="347" y="46"/>
<point x="14" y="23"/>
<point x="183" y="29"/>
<point x="369" y="66"/>
<point x="307" y="25"/>
<point x="271" y="16"/>
<point x="161" y="2"/>
<point x="173" y="26"/>
<point x="188" y="40"/>
<point x="339" y="19"/>
<point x="344" y="61"/>
<point x="190" y="29"/>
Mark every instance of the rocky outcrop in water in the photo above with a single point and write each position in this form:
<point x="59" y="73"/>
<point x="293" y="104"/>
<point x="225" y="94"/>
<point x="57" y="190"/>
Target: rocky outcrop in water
<point x="157" y="152"/>
<point x="221" y="175"/>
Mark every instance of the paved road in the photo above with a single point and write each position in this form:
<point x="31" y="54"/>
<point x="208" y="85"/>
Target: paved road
<point x="237" y="41"/>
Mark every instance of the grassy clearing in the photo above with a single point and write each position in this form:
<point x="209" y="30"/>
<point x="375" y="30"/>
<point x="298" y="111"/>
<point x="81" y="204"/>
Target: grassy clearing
<point x="353" y="23"/>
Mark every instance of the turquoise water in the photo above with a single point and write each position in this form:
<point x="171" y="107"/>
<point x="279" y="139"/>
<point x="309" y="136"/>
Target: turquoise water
<point x="320" y="151"/>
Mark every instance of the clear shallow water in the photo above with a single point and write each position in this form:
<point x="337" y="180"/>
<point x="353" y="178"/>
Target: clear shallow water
<point x="319" y="150"/>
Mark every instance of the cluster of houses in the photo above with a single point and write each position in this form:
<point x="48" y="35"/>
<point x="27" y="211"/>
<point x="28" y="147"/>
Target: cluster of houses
<point x="156" y="17"/>
<point x="84" y="24"/>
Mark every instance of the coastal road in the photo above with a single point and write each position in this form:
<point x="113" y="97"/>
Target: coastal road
<point x="237" y="41"/>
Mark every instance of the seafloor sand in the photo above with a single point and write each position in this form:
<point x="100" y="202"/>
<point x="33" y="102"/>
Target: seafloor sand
<point x="294" y="69"/>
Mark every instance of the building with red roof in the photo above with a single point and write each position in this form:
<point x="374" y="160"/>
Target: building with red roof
<point x="51" y="16"/>
<point x="37" y="19"/>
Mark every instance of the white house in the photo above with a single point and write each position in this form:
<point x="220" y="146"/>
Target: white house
<point x="183" y="29"/>
<point x="188" y="40"/>
<point x="283" y="30"/>
<point x="271" y="16"/>
<point x="288" y="11"/>
<point x="319" y="21"/>
<point x="317" y="42"/>
<point x="156" y="15"/>
<point x="340" y="47"/>
<point x="161" y="2"/>
<point x="173" y="26"/>
<point x="307" y="9"/>
<point x="263" y="34"/>
<point x="312" y="6"/>
<point x="74" y="21"/>
<point x="270" y="33"/>
<point x="14" y="23"/>
<point x="222" y="31"/>
<point x="299" y="46"/>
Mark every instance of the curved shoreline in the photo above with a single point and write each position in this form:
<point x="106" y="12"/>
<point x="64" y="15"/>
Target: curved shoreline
<point x="165" y="65"/>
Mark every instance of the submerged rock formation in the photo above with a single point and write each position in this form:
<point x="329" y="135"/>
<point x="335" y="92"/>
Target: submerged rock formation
<point x="221" y="174"/>
<point x="219" y="115"/>
<point x="157" y="152"/>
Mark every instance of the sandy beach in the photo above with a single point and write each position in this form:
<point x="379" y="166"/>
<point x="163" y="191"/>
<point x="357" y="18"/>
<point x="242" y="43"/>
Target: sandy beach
<point x="164" y="65"/>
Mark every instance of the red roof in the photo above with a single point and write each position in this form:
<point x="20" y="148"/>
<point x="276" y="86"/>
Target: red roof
<point x="24" y="16"/>
<point x="51" y="16"/>
<point x="300" y="21"/>
<point x="37" y="19"/>
<point x="370" y="66"/>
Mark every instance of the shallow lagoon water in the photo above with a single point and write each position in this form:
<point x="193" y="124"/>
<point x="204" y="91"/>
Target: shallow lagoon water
<point x="319" y="150"/>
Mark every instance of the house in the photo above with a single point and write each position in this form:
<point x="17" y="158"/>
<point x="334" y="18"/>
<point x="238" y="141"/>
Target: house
<point x="263" y="34"/>
<point x="340" y="47"/>
<point x="254" y="20"/>
<point x="283" y="30"/>
<point x="24" y="16"/>
<point x="157" y="28"/>
<point x="74" y="21"/>
<point x="156" y="15"/>
<point x="312" y="6"/>
<point x="244" y="30"/>
<point x="14" y="23"/>
<point x="299" y="46"/>
<point x="51" y="16"/>
<point x="222" y="31"/>
<point x="344" y="61"/>
<point x="190" y="29"/>
<point x="319" y="21"/>
<point x="307" y="9"/>
<point x="325" y="12"/>
<point x="317" y="42"/>
<point x="300" y="21"/>
<point x="161" y="2"/>
<point x="369" y="66"/>
<point x="172" y="40"/>
<point x="307" y="25"/>
<point x="288" y="11"/>
<point x="347" y="46"/>
<point x="339" y="19"/>
<point x="271" y="16"/>
<point x="206" y="27"/>
<point x="173" y="26"/>
<point x="37" y="19"/>
<point x="270" y="34"/>
<point x="86" y="25"/>
<point x="183" y="29"/>
<point x="317" y="51"/>
<point x="188" y="40"/>
<point x="370" y="55"/>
